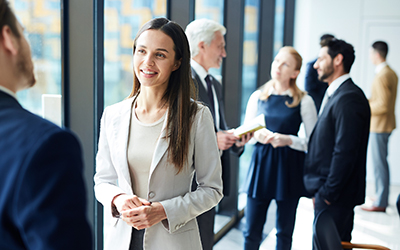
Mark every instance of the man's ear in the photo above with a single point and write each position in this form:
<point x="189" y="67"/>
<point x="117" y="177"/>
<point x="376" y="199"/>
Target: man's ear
<point x="338" y="60"/>
<point x="201" y="45"/>
<point x="9" y="40"/>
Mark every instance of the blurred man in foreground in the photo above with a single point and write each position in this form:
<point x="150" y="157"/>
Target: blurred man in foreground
<point x="42" y="193"/>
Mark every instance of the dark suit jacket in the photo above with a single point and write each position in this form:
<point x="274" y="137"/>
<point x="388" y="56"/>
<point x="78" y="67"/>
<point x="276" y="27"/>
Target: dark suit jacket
<point x="335" y="166"/>
<point x="203" y="97"/>
<point x="315" y="88"/>
<point x="42" y="193"/>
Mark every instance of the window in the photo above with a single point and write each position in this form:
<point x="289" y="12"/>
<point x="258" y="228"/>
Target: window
<point x="249" y="77"/>
<point x="122" y="20"/>
<point x="213" y="10"/>
<point x="42" y="22"/>
<point x="279" y="25"/>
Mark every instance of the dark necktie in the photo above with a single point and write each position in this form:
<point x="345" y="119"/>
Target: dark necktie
<point x="210" y="94"/>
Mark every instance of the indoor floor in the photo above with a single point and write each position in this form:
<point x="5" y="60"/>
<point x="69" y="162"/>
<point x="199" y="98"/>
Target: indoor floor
<point x="369" y="227"/>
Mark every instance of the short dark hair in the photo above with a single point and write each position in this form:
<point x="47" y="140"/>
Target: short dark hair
<point x="381" y="47"/>
<point x="337" y="46"/>
<point x="325" y="37"/>
<point x="7" y="17"/>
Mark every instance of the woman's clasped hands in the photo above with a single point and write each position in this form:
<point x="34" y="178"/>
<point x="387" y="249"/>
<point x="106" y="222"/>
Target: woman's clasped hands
<point x="138" y="212"/>
<point x="266" y="136"/>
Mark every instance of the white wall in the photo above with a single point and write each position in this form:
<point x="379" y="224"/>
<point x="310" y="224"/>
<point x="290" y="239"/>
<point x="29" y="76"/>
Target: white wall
<point x="360" y="23"/>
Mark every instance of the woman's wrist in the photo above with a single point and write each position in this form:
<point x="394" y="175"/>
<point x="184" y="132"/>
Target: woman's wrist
<point x="160" y="210"/>
<point x="114" y="209"/>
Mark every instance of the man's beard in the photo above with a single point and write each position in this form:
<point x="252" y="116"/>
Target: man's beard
<point x="326" y="74"/>
<point x="25" y="69"/>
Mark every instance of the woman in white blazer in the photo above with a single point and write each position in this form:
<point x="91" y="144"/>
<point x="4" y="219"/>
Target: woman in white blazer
<point x="149" y="147"/>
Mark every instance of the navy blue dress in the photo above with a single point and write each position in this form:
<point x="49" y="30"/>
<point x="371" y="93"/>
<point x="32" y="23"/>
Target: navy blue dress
<point x="277" y="173"/>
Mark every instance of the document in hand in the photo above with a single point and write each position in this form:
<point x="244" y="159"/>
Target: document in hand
<point x="251" y="126"/>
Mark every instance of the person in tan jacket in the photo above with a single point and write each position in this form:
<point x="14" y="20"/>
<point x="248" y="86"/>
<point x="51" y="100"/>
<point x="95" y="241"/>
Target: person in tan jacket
<point x="383" y="122"/>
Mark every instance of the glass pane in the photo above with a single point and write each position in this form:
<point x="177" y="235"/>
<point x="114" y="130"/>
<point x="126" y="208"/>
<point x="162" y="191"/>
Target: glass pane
<point x="42" y="22"/>
<point x="249" y="78"/>
<point x="213" y="10"/>
<point x="279" y="25"/>
<point x="210" y="9"/>
<point x="122" y="20"/>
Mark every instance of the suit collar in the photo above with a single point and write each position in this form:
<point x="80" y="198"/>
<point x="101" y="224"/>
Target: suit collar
<point x="330" y="102"/>
<point x="336" y="84"/>
<point x="120" y="134"/>
<point x="201" y="72"/>
<point x="161" y="147"/>
<point x="272" y="91"/>
<point x="203" y="97"/>
<point x="8" y="101"/>
<point x="9" y="92"/>
<point x="121" y="128"/>
<point x="380" y="66"/>
<point x="338" y="90"/>
<point x="200" y="87"/>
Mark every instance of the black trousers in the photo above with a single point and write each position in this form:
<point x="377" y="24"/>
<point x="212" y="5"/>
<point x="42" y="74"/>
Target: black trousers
<point x="137" y="239"/>
<point x="206" y="228"/>
<point x="205" y="222"/>
<point x="342" y="216"/>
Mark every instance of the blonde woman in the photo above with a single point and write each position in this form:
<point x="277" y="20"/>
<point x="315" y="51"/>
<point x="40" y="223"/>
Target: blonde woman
<point x="276" y="168"/>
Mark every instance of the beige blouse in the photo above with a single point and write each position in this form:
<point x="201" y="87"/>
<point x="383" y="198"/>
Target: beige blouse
<point x="142" y="142"/>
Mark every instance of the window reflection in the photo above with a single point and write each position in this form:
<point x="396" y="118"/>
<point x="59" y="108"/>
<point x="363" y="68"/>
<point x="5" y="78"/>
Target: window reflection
<point x="122" y="20"/>
<point x="279" y="25"/>
<point x="213" y="10"/>
<point x="42" y="22"/>
<point x="249" y="77"/>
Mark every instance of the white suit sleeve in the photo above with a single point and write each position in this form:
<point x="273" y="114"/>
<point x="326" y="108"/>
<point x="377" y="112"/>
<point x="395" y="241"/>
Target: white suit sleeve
<point x="309" y="118"/>
<point x="106" y="177"/>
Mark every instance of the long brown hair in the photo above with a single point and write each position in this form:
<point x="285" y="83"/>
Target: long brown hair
<point x="179" y="95"/>
<point x="296" y="92"/>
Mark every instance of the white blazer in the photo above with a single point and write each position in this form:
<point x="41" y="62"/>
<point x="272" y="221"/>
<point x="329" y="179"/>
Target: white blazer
<point x="172" y="190"/>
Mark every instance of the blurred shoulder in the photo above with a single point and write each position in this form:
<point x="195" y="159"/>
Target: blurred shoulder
<point x="120" y="105"/>
<point x="307" y="98"/>
<point x="116" y="110"/>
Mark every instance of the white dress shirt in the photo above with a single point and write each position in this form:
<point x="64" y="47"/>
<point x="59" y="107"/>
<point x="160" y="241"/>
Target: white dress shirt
<point x="202" y="75"/>
<point x="307" y="110"/>
<point x="332" y="88"/>
<point x="380" y="66"/>
<point x="6" y="90"/>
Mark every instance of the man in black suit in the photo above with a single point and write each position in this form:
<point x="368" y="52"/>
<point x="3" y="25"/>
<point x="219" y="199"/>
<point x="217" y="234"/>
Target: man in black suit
<point x="314" y="87"/>
<point x="335" y="166"/>
<point x="207" y="47"/>
<point x="42" y="192"/>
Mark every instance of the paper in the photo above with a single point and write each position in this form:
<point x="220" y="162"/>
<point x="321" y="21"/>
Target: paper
<point x="251" y="126"/>
<point x="51" y="108"/>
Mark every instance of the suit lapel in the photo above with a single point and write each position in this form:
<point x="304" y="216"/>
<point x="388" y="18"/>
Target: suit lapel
<point x="121" y="126"/>
<point x="329" y="104"/>
<point x="8" y="100"/>
<point x="161" y="147"/>
<point x="219" y="94"/>
<point x="120" y="132"/>
<point x="203" y="96"/>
